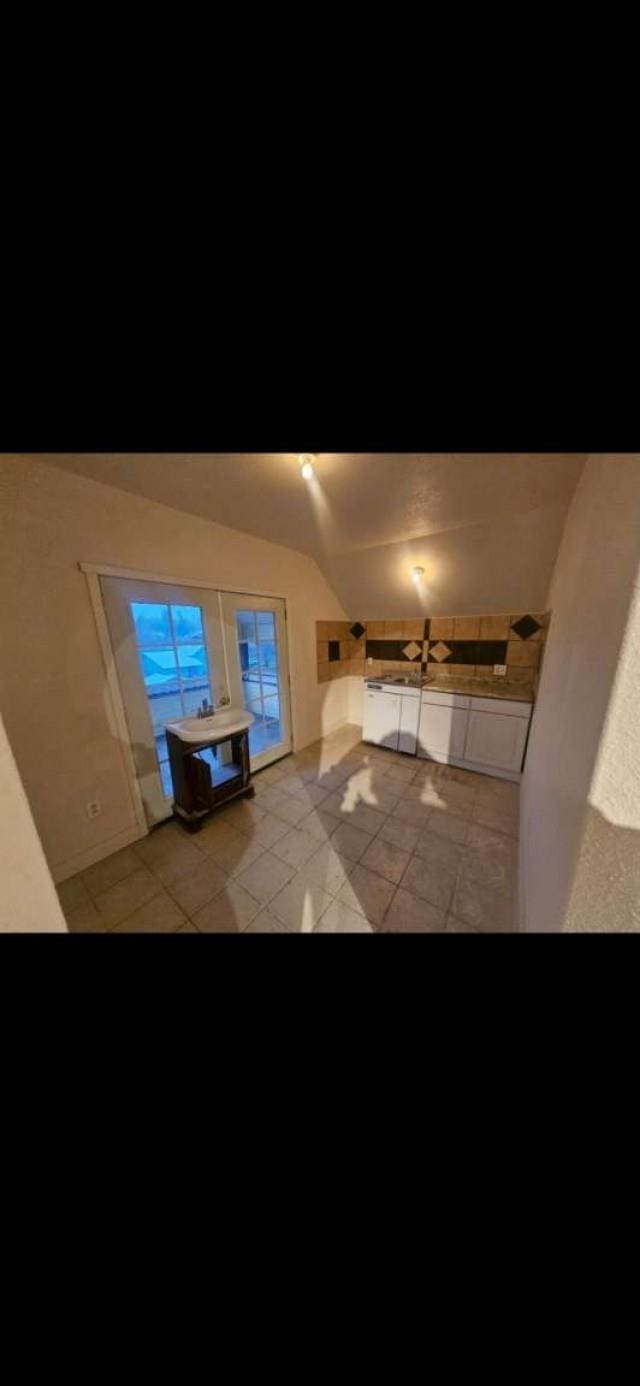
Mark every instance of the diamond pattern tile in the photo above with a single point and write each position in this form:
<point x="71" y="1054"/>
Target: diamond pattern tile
<point x="412" y="650"/>
<point x="526" y="627"/>
<point x="357" y="631"/>
<point x="439" y="651"/>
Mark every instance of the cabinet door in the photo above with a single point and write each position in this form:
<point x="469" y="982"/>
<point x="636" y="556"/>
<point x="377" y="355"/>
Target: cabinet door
<point x="493" y="739"/>
<point x="381" y="718"/>
<point x="442" y="730"/>
<point x="409" y="718"/>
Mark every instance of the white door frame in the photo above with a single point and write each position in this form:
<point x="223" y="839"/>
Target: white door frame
<point x="93" y="572"/>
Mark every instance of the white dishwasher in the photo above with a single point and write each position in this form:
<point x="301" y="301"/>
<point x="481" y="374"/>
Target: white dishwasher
<point x="391" y="715"/>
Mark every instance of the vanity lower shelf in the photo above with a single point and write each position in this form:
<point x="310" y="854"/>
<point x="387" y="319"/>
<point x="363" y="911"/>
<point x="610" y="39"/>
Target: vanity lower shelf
<point x="202" y="783"/>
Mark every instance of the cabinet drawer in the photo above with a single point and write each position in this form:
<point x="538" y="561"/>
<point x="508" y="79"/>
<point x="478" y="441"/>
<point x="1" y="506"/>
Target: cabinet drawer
<point x="445" y="699"/>
<point x="505" y="707"/>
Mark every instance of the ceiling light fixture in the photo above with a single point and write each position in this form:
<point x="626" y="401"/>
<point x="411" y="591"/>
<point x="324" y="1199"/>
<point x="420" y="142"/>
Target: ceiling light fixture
<point x="306" y="466"/>
<point x="417" y="573"/>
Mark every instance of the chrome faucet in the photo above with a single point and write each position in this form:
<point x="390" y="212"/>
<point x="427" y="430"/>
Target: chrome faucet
<point x="206" y="709"/>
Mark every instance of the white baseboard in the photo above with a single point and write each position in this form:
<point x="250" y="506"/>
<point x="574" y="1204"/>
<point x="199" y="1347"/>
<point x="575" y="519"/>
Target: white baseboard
<point x="63" y="869"/>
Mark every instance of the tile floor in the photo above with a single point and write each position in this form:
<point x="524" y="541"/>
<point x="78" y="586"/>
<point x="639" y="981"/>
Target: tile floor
<point x="341" y="838"/>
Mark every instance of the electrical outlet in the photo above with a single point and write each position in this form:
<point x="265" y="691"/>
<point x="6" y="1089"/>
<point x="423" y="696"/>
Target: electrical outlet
<point x="500" y="669"/>
<point x="94" y="808"/>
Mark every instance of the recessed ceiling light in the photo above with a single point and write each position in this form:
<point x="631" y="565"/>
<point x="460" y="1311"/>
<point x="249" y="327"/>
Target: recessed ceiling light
<point x="417" y="573"/>
<point x="306" y="466"/>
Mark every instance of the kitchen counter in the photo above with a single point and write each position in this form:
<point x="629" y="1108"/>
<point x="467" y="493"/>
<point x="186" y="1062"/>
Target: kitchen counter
<point x="459" y="683"/>
<point x="480" y="688"/>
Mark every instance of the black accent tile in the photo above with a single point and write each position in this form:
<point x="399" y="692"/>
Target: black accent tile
<point x="334" y="650"/>
<point x="391" y="649"/>
<point x="472" y="652"/>
<point x="357" y="631"/>
<point x="427" y="627"/>
<point x="490" y="652"/>
<point x="423" y="667"/>
<point x="526" y="627"/>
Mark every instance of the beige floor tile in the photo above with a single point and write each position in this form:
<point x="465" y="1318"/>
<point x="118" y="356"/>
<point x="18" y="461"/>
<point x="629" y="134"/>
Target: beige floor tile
<point x="159" y="916"/>
<point x="402" y="773"/>
<point x="387" y="859"/>
<point x="401" y="834"/>
<point x="215" y="833"/>
<point x="188" y="928"/>
<point x="265" y="877"/>
<point x="84" y="919"/>
<point x="193" y="891"/>
<point x="489" y="817"/>
<point x="321" y="825"/>
<point x="331" y="780"/>
<point x="416" y="815"/>
<point x="272" y="775"/>
<point x="72" y="893"/>
<point x="243" y="813"/>
<point x="327" y="869"/>
<point x="457" y="926"/>
<point x="448" y="825"/>
<point x="350" y="842"/>
<point x="367" y="893"/>
<point x="504" y="795"/>
<point x="311" y="795"/>
<point x="339" y="919"/>
<point x="269" y="830"/>
<point x="407" y="914"/>
<point x="295" y="847"/>
<point x="273" y="799"/>
<point x="292" y="810"/>
<point x="106" y="873"/>
<point x="336" y="804"/>
<point x="236" y="853"/>
<point x="228" y="913"/>
<point x="168" y="856"/>
<point x="266" y="923"/>
<point x="439" y="851"/>
<point x="121" y="899"/>
<point x="431" y="881"/>
<point x="382" y="799"/>
<point x="485" y="909"/>
<point x="300" y="905"/>
<point x="491" y="866"/>
<point x="292" y="784"/>
<point x="368" y="820"/>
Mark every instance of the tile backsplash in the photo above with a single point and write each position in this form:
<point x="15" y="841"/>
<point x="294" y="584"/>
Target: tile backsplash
<point x="457" y="644"/>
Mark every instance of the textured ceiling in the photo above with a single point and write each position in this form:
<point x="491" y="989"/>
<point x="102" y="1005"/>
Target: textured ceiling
<point x="364" y="513"/>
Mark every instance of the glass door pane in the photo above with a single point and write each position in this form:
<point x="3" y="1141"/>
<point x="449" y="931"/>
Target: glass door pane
<point x="168" y="650"/>
<point x="255" y="637"/>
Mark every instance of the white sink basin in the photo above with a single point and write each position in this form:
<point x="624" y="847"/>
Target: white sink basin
<point x="215" y="728"/>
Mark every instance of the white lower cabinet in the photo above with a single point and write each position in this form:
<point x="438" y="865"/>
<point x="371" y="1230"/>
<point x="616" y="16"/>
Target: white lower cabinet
<point x="409" y="721"/>
<point x="479" y="732"/>
<point x="496" y="740"/>
<point x="381" y="723"/>
<point x="442" y="730"/>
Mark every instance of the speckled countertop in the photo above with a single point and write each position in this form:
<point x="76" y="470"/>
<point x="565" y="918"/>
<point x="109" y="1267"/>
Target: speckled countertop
<point x="459" y="683"/>
<point x="481" y="688"/>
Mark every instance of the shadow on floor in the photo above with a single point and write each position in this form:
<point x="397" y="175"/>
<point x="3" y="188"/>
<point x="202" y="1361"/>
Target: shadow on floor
<point x="340" y="837"/>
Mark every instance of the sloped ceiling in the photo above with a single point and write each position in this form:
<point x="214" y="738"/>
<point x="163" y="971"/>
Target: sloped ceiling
<point x="486" y="528"/>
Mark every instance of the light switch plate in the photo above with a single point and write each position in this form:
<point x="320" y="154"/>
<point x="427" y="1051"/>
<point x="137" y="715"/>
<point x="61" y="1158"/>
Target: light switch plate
<point x="500" y="669"/>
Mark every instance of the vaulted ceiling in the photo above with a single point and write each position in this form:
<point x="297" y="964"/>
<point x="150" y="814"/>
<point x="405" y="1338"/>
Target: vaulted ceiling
<point x="485" y="527"/>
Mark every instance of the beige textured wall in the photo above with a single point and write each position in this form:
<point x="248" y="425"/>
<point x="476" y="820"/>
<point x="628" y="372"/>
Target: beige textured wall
<point x="580" y="797"/>
<point x="28" y="901"/>
<point x="52" y="683"/>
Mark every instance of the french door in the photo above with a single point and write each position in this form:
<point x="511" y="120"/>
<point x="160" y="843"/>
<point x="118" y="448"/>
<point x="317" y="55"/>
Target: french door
<point x="174" y="646"/>
<point x="255" y="638"/>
